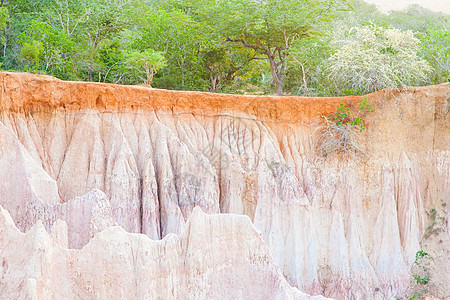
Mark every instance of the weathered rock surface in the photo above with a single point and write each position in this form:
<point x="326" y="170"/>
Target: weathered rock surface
<point x="215" y="257"/>
<point x="96" y="155"/>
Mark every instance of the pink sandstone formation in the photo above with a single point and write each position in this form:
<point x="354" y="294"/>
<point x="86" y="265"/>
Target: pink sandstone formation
<point x="102" y="189"/>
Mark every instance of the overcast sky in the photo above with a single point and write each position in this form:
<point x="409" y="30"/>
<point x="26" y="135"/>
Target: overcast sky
<point x="435" y="5"/>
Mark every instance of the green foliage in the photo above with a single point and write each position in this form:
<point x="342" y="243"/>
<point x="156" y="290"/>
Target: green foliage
<point x="110" y="61"/>
<point x="436" y="47"/>
<point x="421" y="279"/>
<point x="344" y="116"/>
<point x="104" y="19"/>
<point x="415" y="18"/>
<point x="215" y="61"/>
<point x="303" y="76"/>
<point x="275" y="164"/>
<point x="418" y="294"/>
<point x="299" y="47"/>
<point x="109" y="52"/>
<point x="56" y="46"/>
<point x="4" y="17"/>
<point x="270" y="28"/>
<point x="340" y="134"/>
<point x="150" y="61"/>
<point x="181" y="39"/>
<point x="32" y="51"/>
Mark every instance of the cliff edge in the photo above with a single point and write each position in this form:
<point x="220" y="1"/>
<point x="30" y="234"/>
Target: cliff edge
<point x="284" y="218"/>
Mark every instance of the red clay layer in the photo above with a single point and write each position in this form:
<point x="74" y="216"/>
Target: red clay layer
<point x="25" y="92"/>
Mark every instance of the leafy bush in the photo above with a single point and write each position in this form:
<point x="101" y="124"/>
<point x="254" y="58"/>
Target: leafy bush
<point x="48" y="46"/>
<point x="370" y="58"/>
<point x="342" y="116"/>
<point x="149" y="61"/>
<point x="340" y="133"/>
<point x="421" y="279"/>
<point x="31" y="51"/>
<point x="436" y="47"/>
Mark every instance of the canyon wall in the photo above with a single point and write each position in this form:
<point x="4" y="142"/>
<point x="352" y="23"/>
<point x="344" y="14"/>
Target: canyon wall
<point x="103" y="187"/>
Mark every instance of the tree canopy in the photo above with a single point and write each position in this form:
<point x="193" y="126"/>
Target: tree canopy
<point x="296" y="47"/>
<point x="270" y="28"/>
<point x="370" y="58"/>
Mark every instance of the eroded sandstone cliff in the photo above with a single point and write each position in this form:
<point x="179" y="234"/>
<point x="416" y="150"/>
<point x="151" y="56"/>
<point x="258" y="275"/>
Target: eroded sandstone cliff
<point x="96" y="156"/>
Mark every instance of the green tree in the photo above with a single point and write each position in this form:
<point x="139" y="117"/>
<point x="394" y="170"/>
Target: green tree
<point x="415" y="18"/>
<point x="4" y="17"/>
<point x="111" y="59"/>
<point x="71" y="32"/>
<point x="181" y="39"/>
<point x="231" y="69"/>
<point x="57" y="46"/>
<point x="304" y="75"/>
<point x="369" y="58"/>
<point x="66" y="16"/>
<point x="436" y="46"/>
<point x="150" y="61"/>
<point x="21" y="12"/>
<point x="104" y="19"/>
<point x="31" y="51"/>
<point x="269" y="27"/>
<point x="215" y="63"/>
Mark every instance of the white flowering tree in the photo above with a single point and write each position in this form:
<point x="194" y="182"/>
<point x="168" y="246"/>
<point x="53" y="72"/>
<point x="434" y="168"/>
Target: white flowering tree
<point x="370" y="58"/>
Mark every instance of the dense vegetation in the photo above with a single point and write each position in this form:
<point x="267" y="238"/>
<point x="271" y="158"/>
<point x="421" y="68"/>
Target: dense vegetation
<point x="298" y="47"/>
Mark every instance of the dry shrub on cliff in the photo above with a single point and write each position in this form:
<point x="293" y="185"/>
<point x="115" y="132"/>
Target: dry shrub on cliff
<point x="342" y="140"/>
<point x="340" y="133"/>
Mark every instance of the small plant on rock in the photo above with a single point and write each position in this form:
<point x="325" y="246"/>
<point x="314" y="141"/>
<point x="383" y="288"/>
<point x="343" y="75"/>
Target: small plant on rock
<point x="423" y="278"/>
<point x="340" y="133"/>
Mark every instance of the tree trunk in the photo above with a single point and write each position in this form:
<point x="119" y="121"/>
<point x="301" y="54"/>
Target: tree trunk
<point x="213" y="85"/>
<point x="6" y="42"/>
<point x="149" y="72"/>
<point x="275" y="75"/>
<point x="91" y="65"/>
<point x="212" y="79"/>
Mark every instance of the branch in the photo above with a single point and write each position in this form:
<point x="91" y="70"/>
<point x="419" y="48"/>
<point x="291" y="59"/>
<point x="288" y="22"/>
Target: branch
<point x="235" y="69"/>
<point x="60" y="17"/>
<point x="245" y="44"/>
<point x="124" y="4"/>
<point x="120" y="78"/>
<point x="441" y="65"/>
<point x="117" y="63"/>
<point x="76" y="24"/>
<point x="303" y="73"/>
<point x="280" y="51"/>
<point x="259" y="43"/>
<point x="274" y="52"/>
<point x="67" y="16"/>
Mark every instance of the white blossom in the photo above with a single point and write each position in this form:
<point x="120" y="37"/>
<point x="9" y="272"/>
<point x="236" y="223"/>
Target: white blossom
<point x="370" y="58"/>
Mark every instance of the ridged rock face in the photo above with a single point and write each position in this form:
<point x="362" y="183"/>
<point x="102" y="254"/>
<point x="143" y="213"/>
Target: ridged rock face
<point x="97" y="156"/>
<point x="204" y="262"/>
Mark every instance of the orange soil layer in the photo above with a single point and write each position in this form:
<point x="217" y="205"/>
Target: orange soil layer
<point x="30" y="93"/>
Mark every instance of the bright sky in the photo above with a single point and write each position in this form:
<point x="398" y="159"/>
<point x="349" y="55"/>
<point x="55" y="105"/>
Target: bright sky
<point x="435" y="5"/>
